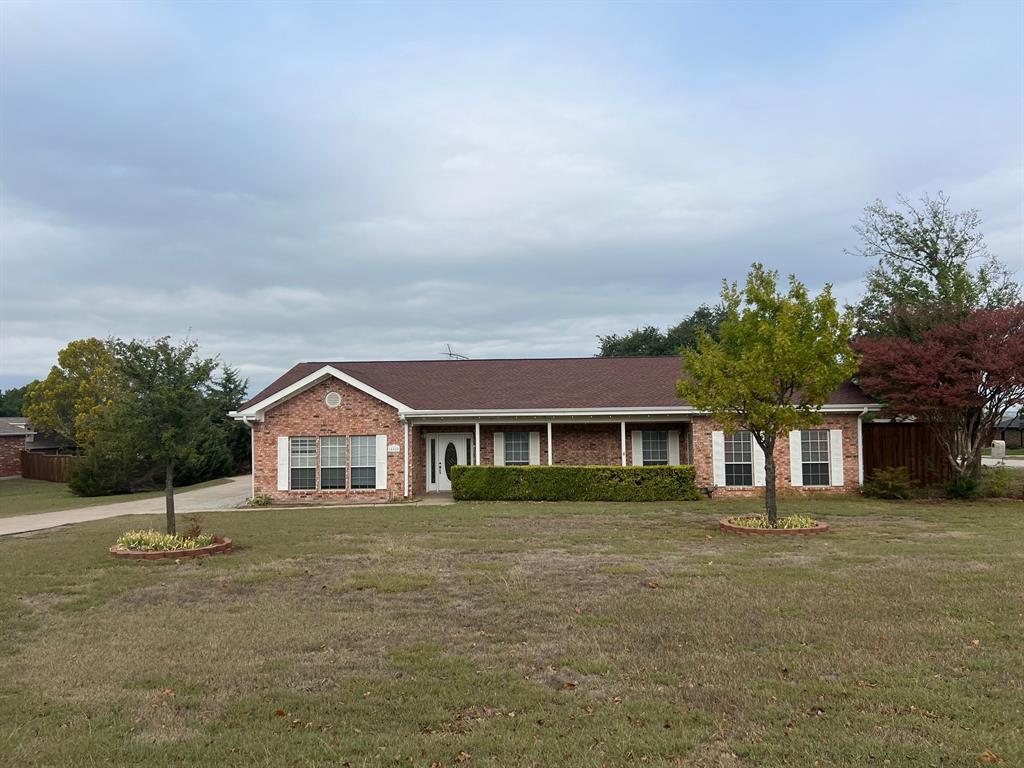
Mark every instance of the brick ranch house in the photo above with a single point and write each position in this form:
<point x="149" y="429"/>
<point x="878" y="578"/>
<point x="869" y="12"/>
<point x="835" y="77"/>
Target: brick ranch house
<point x="383" y="431"/>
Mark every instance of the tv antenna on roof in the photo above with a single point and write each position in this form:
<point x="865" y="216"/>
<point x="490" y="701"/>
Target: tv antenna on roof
<point x="453" y="355"/>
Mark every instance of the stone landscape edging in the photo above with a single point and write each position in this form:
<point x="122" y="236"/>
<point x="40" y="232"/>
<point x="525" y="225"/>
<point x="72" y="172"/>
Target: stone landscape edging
<point x="221" y="545"/>
<point x="725" y="525"/>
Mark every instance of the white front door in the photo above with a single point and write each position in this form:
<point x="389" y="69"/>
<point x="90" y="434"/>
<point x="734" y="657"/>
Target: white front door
<point x="444" y="451"/>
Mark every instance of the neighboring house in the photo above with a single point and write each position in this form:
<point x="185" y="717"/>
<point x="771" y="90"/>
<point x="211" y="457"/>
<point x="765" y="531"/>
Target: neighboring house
<point x="14" y="436"/>
<point x="377" y="431"/>
<point x="1009" y="429"/>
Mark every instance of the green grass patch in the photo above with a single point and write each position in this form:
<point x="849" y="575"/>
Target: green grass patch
<point x="569" y="634"/>
<point x="387" y="582"/>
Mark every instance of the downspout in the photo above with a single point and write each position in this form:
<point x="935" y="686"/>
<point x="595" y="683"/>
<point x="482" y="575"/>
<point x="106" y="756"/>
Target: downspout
<point x="252" y="451"/>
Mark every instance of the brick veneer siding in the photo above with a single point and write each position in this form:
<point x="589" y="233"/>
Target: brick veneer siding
<point x="307" y="415"/>
<point x="703" y="426"/>
<point x="11" y="447"/>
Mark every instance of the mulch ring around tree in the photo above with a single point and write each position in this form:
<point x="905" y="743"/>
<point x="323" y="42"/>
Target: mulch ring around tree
<point x="221" y="546"/>
<point x="730" y="527"/>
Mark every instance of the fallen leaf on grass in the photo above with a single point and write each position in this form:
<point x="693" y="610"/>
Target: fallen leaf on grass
<point x="988" y="757"/>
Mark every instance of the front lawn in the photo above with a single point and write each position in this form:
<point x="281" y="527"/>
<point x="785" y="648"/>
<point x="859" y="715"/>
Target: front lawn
<point x="19" y="496"/>
<point x="524" y="634"/>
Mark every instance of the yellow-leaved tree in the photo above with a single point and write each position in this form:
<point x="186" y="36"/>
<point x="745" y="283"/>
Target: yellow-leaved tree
<point x="778" y="358"/>
<point x="72" y="397"/>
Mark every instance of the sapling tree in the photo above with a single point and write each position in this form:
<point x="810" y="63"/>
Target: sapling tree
<point x="163" y="404"/>
<point x="777" y="359"/>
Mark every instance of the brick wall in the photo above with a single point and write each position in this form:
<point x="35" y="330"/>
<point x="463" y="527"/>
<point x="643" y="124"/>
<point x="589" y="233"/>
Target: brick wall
<point x="704" y="425"/>
<point x="307" y="415"/>
<point x="11" y="447"/>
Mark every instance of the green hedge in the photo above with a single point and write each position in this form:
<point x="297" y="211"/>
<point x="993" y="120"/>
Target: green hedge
<point x="569" y="483"/>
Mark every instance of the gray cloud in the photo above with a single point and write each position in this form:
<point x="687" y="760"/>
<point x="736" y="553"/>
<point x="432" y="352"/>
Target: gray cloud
<point x="295" y="183"/>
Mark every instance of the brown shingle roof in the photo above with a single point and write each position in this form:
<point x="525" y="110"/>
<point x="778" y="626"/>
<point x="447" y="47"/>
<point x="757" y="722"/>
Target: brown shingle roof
<point x="530" y="383"/>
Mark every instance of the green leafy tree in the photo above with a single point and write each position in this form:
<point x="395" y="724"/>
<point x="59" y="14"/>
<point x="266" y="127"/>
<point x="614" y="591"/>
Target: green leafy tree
<point x="71" y="398"/>
<point x="705" y="319"/>
<point x="163" y="408"/>
<point x="650" y="341"/>
<point x="778" y="358"/>
<point x="226" y="394"/>
<point x="933" y="267"/>
<point x="12" y="401"/>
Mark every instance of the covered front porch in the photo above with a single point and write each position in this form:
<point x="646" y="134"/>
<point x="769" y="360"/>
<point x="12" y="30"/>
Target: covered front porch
<point x="437" y="444"/>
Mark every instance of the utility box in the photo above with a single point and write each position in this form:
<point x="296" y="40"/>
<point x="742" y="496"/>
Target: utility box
<point x="999" y="449"/>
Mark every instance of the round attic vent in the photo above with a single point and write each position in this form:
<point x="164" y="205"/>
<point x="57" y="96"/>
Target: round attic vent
<point x="333" y="399"/>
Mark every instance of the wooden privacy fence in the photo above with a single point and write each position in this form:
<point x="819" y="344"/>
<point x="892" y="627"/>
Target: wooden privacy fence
<point x="905" y="445"/>
<point x="46" y="466"/>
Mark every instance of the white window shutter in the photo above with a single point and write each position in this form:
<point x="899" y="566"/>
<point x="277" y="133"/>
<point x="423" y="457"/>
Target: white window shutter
<point x="282" y="463"/>
<point x="796" y="459"/>
<point x="673" y="447"/>
<point x="718" y="457"/>
<point x="638" y="447"/>
<point x="535" y="448"/>
<point x="835" y="456"/>
<point x="382" y="462"/>
<point x="499" y="449"/>
<point x="757" y="456"/>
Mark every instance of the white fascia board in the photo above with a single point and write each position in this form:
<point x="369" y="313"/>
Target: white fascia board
<point x="257" y="409"/>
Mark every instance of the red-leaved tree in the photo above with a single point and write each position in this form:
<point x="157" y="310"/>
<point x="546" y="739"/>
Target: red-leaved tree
<point x="960" y="379"/>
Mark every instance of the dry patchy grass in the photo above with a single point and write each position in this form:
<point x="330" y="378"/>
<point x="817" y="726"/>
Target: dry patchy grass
<point x="524" y="634"/>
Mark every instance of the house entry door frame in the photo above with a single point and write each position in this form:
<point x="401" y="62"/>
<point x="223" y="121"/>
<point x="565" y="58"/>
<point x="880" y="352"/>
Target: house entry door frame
<point x="445" y="450"/>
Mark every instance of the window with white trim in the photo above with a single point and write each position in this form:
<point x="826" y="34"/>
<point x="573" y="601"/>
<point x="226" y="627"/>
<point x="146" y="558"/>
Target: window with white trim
<point x="814" y="456"/>
<point x="517" y="448"/>
<point x="364" y="462"/>
<point x="332" y="463"/>
<point x="302" y="464"/>
<point x="739" y="461"/>
<point x="655" y="448"/>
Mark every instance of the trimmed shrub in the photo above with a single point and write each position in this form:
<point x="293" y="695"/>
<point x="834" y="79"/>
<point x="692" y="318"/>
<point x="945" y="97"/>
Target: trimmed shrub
<point x="572" y="483"/>
<point x="889" y="483"/>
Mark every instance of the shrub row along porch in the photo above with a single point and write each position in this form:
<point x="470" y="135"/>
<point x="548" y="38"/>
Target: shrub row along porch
<point x="383" y="431"/>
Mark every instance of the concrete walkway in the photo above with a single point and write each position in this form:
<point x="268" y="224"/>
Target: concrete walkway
<point x="224" y="496"/>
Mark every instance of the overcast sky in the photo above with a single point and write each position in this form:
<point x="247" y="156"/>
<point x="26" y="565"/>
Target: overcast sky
<point x="318" y="181"/>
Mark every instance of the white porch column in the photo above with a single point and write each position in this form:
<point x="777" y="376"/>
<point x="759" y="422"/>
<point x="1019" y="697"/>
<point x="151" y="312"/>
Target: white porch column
<point x="623" y="443"/>
<point x="860" y="448"/>
<point x="405" y="458"/>
<point x="549" y="443"/>
<point x="477" y="443"/>
<point x="252" y="458"/>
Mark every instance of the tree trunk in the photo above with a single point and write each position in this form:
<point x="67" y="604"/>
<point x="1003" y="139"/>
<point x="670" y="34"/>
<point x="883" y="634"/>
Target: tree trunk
<point x="172" y="527"/>
<point x="770" y="505"/>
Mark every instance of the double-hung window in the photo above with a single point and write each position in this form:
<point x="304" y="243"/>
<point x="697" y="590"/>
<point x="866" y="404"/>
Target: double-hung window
<point x="364" y="462"/>
<point x="739" y="464"/>
<point x="517" y="448"/>
<point x="814" y="456"/>
<point x="655" y="448"/>
<point x="332" y="463"/>
<point x="303" y="463"/>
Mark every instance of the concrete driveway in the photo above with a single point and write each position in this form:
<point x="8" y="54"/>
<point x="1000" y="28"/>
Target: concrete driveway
<point x="225" y="496"/>
<point x="1013" y="462"/>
